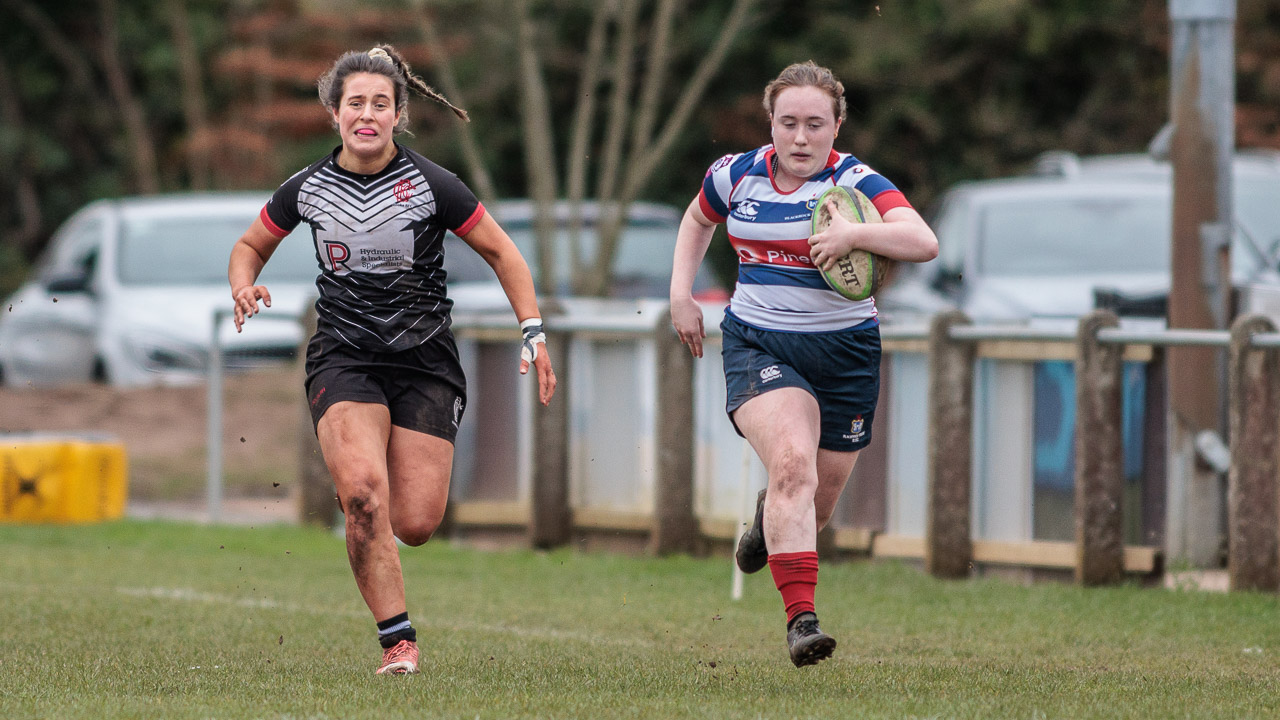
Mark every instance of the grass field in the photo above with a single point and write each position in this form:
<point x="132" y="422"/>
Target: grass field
<point x="161" y="620"/>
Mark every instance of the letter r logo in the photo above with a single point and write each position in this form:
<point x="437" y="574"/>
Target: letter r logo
<point x="337" y="252"/>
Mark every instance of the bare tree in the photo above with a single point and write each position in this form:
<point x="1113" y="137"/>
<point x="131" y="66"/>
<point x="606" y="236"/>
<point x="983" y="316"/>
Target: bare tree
<point x="481" y="179"/>
<point x="131" y="110"/>
<point x="580" y="134"/>
<point x="539" y="145"/>
<point x="624" y="167"/>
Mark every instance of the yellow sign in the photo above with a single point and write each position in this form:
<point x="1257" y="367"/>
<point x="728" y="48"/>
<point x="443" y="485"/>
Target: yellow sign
<point x="51" y="479"/>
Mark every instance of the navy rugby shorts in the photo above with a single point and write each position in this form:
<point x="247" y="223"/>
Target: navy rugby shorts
<point x="423" y="387"/>
<point x="841" y="369"/>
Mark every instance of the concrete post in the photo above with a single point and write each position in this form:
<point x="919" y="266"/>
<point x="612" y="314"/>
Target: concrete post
<point x="1099" y="454"/>
<point x="551" y="518"/>
<point x="675" y="526"/>
<point x="1253" y="525"/>
<point x="1202" y="80"/>
<point x="948" y="551"/>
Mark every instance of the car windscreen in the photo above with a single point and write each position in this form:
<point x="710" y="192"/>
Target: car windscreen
<point x="1067" y="236"/>
<point x="194" y="250"/>
<point x="1112" y="234"/>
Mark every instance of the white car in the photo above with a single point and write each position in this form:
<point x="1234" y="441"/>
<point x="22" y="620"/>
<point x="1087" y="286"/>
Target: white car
<point x="127" y="290"/>
<point x="1085" y="232"/>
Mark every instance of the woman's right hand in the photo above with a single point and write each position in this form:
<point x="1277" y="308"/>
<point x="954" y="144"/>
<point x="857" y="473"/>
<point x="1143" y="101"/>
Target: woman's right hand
<point x="246" y="299"/>
<point x="686" y="318"/>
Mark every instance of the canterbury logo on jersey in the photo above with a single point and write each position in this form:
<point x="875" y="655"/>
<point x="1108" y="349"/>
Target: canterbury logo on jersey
<point x="747" y="210"/>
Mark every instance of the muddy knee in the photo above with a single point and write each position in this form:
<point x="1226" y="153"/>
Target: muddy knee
<point x="792" y="475"/>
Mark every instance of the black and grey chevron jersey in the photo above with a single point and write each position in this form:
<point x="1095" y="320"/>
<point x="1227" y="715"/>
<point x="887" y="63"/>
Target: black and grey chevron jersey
<point x="379" y="243"/>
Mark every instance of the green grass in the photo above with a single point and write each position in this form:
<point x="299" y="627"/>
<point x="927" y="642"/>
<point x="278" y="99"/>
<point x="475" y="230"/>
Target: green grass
<point x="160" y="620"/>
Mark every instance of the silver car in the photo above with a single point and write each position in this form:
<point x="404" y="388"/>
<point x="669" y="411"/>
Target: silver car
<point x="1092" y="231"/>
<point x="127" y="289"/>
<point x="641" y="266"/>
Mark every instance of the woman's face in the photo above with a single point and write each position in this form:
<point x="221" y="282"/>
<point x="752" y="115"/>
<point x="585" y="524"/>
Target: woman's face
<point x="804" y="130"/>
<point x="367" y="116"/>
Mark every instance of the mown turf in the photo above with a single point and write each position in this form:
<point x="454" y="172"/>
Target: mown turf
<point x="161" y="620"/>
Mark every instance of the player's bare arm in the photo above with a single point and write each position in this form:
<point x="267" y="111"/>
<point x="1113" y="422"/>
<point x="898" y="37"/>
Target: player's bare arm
<point x="248" y="257"/>
<point x="692" y="240"/>
<point x="496" y="247"/>
<point x="903" y="235"/>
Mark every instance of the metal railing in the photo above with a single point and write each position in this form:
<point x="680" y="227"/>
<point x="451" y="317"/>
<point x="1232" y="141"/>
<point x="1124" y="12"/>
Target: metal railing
<point x="675" y="474"/>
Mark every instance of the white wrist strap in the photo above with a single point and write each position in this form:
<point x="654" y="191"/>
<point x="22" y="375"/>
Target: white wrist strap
<point x="533" y="336"/>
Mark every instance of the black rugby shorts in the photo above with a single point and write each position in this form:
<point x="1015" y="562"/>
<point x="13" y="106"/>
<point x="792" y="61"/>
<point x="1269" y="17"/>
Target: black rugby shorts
<point x="423" y="387"/>
<point x="841" y="369"/>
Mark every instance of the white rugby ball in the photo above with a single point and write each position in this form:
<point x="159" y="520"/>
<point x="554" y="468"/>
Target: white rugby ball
<point x="858" y="275"/>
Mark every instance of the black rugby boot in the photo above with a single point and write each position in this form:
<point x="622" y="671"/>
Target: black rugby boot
<point x="807" y="642"/>
<point x="752" y="555"/>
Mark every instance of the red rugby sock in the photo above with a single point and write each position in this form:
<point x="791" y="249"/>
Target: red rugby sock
<point x="796" y="575"/>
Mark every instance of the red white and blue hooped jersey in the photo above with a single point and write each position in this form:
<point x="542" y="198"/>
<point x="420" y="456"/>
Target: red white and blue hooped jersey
<point x="379" y="240"/>
<point x="779" y="287"/>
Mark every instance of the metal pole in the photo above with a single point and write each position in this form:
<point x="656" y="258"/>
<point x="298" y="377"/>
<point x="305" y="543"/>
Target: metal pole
<point x="213" y="441"/>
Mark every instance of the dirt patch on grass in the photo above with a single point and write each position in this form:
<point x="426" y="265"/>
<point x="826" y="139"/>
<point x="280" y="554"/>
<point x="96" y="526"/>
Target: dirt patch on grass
<point x="164" y="430"/>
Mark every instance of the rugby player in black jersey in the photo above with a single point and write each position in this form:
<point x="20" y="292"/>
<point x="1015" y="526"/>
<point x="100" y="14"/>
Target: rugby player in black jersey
<point x="383" y="379"/>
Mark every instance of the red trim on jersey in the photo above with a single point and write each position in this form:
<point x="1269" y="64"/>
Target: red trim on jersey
<point x="787" y="253"/>
<point x="833" y="157"/>
<point x="888" y="200"/>
<point x="271" y="226"/>
<point x="705" y="206"/>
<point x="471" y="222"/>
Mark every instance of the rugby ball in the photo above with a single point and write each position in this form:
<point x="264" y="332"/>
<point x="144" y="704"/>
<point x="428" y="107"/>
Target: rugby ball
<point x="858" y="275"/>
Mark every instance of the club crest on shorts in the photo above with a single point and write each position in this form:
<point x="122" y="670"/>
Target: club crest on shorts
<point x="457" y="410"/>
<point x="857" y="429"/>
<point x="770" y="373"/>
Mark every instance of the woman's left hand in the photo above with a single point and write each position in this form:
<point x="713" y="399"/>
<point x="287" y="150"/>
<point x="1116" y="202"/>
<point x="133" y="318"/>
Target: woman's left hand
<point x="546" y="376"/>
<point x="833" y="243"/>
<point x="530" y="350"/>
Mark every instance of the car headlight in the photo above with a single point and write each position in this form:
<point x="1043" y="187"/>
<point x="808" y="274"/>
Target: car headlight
<point x="161" y="354"/>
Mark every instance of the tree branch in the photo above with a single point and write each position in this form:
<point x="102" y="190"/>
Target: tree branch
<point x="194" y="111"/>
<point x="655" y="74"/>
<point x="615" y="131"/>
<point x="645" y="158"/>
<point x="647" y="161"/>
<point x="539" y="154"/>
<point x="580" y="135"/>
<point x="481" y="179"/>
<point x="135" y="123"/>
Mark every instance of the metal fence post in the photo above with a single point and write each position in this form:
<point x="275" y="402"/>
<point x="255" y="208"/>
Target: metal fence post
<point x="675" y="527"/>
<point x="213" y="439"/>
<point x="550" y="517"/>
<point x="1253" y="527"/>
<point x="948" y="550"/>
<point x="1099" y="454"/>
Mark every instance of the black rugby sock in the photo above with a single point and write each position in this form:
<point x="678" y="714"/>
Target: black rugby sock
<point x="394" y="629"/>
